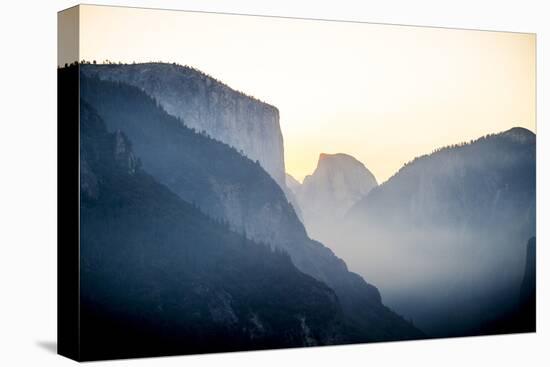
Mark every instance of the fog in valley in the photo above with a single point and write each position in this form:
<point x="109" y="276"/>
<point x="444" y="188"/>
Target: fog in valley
<point x="444" y="239"/>
<point x="247" y="189"/>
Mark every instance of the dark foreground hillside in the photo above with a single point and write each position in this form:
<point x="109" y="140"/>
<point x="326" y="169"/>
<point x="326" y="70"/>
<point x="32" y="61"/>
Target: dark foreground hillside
<point x="159" y="277"/>
<point x="232" y="189"/>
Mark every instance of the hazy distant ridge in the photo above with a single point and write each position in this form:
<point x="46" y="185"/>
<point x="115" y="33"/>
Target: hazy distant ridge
<point x="443" y="234"/>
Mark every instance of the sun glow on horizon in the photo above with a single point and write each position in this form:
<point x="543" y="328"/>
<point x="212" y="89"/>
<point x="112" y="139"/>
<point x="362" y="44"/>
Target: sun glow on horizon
<point x="381" y="93"/>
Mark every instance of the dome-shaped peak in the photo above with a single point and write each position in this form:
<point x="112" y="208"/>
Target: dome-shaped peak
<point x="341" y="163"/>
<point x="337" y="159"/>
<point x="520" y="134"/>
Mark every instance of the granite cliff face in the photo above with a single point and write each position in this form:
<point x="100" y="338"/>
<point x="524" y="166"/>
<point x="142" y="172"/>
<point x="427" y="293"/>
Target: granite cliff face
<point x="339" y="181"/>
<point x="207" y="105"/>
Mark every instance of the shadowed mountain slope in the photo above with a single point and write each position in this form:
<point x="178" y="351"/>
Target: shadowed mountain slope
<point x="235" y="190"/>
<point x="452" y="221"/>
<point x="159" y="277"/>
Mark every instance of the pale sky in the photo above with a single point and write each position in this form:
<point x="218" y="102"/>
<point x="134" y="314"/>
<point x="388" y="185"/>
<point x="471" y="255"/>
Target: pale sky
<point x="383" y="94"/>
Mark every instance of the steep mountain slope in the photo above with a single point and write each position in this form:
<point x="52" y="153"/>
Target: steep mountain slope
<point x="233" y="189"/>
<point x="292" y="183"/>
<point x="159" y="277"/>
<point x="338" y="182"/>
<point x="528" y="290"/>
<point x="292" y="187"/>
<point x="451" y="222"/>
<point x="454" y="183"/>
<point x="521" y="318"/>
<point x="205" y="104"/>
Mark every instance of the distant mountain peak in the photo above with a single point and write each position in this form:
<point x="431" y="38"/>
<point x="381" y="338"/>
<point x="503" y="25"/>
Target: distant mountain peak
<point x="292" y="183"/>
<point x="464" y="207"/>
<point x="338" y="158"/>
<point x="341" y="164"/>
<point x="338" y="182"/>
<point x="520" y="134"/>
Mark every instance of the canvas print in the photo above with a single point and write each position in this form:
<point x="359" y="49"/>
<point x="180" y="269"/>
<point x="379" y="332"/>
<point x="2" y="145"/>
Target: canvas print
<point x="235" y="182"/>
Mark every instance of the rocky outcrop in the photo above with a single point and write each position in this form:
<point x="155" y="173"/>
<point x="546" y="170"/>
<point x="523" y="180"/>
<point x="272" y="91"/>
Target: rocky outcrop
<point x="292" y="183"/>
<point x="290" y="191"/>
<point x="339" y="181"/>
<point x="207" y="105"/>
<point x="123" y="154"/>
<point x="529" y="283"/>
<point x="88" y="181"/>
<point x="527" y="315"/>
